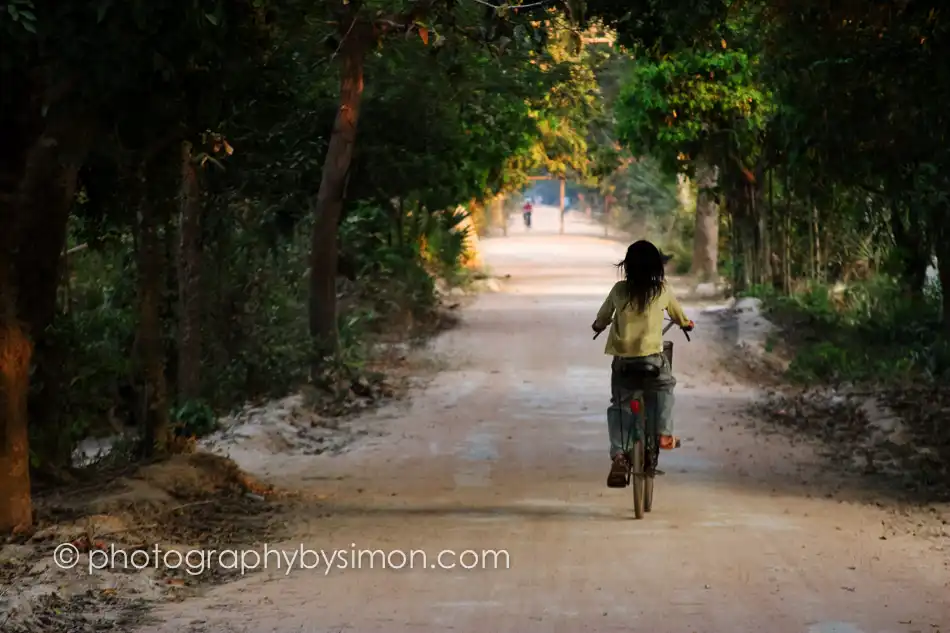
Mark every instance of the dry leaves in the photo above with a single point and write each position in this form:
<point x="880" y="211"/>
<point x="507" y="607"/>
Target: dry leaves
<point x="909" y="447"/>
<point x="199" y="501"/>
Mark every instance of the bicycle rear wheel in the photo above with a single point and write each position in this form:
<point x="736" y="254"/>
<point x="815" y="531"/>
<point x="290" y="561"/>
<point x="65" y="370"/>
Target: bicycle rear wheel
<point x="648" y="493"/>
<point x="638" y="479"/>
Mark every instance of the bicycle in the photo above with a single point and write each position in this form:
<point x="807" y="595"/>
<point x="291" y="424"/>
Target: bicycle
<point x="643" y="457"/>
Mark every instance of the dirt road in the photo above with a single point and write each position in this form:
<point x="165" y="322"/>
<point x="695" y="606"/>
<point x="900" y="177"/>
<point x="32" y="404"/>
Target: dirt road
<point x="507" y="450"/>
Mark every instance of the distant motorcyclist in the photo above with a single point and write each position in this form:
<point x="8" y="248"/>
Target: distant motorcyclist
<point x="526" y="211"/>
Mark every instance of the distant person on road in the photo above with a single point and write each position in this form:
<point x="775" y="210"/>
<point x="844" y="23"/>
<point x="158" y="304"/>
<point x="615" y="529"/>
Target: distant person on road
<point x="526" y="210"/>
<point x="634" y="310"/>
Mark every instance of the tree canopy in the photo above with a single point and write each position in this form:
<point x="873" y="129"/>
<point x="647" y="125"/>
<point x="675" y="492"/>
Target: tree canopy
<point x="191" y="190"/>
<point x="182" y="183"/>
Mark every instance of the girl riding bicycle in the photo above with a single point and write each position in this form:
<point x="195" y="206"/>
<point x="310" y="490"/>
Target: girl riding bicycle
<point x="634" y="310"/>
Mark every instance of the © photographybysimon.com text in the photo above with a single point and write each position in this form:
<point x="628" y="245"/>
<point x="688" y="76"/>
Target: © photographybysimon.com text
<point x="197" y="561"/>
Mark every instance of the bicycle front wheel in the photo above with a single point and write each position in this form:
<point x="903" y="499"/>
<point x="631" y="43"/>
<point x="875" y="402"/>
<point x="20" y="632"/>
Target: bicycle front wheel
<point x="651" y="457"/>
<point x="638" y="479"/>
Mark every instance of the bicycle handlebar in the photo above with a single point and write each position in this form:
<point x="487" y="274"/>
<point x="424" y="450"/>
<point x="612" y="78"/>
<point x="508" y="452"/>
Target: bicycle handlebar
<point x="665" y="330"/>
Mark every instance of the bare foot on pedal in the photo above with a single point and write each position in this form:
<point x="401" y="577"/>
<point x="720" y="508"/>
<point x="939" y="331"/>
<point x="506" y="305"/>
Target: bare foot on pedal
<point x="669" y="442"/>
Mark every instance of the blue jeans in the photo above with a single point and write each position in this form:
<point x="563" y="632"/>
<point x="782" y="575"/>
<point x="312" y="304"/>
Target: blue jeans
<point x="657" y="399"/>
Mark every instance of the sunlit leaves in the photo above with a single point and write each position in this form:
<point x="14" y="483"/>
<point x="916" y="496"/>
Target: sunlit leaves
<point x="695" y="104"/>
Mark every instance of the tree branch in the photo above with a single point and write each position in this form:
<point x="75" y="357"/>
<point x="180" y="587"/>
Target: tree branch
<point x="404" y="21"/>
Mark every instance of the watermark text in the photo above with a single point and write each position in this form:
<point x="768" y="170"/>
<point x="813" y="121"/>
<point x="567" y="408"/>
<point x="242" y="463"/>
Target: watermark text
<point x="198" y="561"/>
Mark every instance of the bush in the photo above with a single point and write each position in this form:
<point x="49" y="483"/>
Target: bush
<point x="88" y="345"/>
<point x="194" y="419"/>
<point x="868" y="331"/>
<point x="254" y="332"/>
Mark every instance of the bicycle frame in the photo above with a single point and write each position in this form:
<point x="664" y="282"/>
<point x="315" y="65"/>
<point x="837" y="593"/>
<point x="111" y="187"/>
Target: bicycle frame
<point x="639" y="420"/>
<point x="641" y="448"/>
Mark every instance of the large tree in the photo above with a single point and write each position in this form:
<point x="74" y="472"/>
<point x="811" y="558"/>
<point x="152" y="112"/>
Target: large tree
<point x="113" y="114"/>
<point x="700" y="111"/>
<point x="80" y="78"/>
<point x="363" y="25"/>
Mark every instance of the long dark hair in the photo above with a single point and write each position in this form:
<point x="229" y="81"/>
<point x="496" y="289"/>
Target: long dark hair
<point x="643" y="274"/>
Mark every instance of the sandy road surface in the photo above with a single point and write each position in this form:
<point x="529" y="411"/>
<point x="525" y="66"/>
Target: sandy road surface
<point x="506" y="450"/>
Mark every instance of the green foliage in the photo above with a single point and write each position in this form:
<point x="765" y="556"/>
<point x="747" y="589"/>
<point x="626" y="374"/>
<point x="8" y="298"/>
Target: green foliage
<point x="854" y="81"/>
<point x="838" y="109"/>
<point x="871" y="331"/>
<point x="825" y="122"/>
<point x="254" y="323"/>
<point x="92" y="359"/>
<point x="447" y="242"/>
<point x="445" y="120"/>
<point x="194" y="419"/>
<point x="695" y="105"/>
<point x="20" y="12"/>
<point x="96" y="366"/>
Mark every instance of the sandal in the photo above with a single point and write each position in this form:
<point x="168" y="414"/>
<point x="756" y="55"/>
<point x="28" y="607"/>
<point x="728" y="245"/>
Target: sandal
<point x="618" y="473"/>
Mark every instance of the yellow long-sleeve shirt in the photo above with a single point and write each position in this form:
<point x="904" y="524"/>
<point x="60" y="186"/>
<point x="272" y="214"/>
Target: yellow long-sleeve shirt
<point x="633" y="334"/>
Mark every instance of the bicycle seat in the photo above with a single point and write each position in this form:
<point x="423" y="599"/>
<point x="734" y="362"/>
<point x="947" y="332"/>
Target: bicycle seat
<point x="640" y="369"/>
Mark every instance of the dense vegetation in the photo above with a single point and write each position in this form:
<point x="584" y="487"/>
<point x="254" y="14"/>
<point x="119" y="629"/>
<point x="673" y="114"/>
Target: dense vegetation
<point x="817" y="129"/>
<point x="208" y="202"/>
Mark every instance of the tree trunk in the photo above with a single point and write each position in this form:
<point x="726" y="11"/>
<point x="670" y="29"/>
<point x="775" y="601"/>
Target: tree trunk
<point x="755" y="237"/>
<point x="151" y="286"/>
<point x="743" y="233"/>
<point x="189" y="280"/>
<point x="787" y="246"/>
<point x="812" y="269"/>
<point x="748" y="239"/>
<point x="16" y="508"/>
<point x="764" y="214"/>
<point x="706" y="237"/>
<point x="329" y="204"/>
<point x="735" y="242"/>
<point x="47" y="192"/>
<point x="776" y="237"/>
<point x="816" y="231"/>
